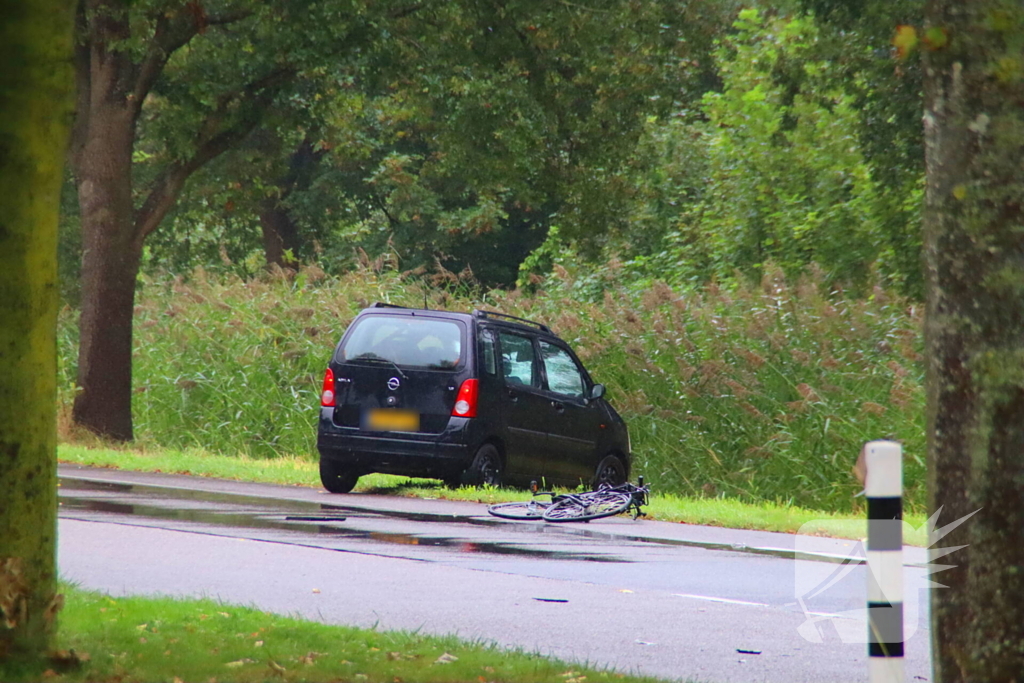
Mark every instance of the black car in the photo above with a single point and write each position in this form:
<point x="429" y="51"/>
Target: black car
<point x="469" y="398"/>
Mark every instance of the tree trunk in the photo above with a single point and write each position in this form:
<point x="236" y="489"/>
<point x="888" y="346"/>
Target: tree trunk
<point x="35" y="107"/>
<point x="111" y="90"/>
<point x="974" y="329"/>
<point x="280" y="234"/>
<point x="110" y="262"/>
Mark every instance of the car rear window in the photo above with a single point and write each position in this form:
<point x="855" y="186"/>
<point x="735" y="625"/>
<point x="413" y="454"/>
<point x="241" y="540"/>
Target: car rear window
<point x="405" y="340"/>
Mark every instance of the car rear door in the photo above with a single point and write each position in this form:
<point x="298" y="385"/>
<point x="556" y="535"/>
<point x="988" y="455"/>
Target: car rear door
<point x="524" y="404"/>
<point x="574" y="424"/>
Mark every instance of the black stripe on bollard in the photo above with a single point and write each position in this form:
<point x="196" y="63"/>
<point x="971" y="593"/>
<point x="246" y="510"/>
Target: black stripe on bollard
<point x="885" y="628"/>
<point x="885" y="523"/>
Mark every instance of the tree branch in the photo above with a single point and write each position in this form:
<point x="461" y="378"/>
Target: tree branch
<point x="251" y="101"/>
<point x="403" y="12"/>
<point x="172" y="34"/>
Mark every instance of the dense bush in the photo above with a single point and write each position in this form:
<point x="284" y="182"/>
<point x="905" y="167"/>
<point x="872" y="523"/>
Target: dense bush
<point x="759" y="393"/>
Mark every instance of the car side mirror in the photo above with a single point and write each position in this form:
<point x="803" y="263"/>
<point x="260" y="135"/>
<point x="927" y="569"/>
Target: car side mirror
<point x="596" y="391"/>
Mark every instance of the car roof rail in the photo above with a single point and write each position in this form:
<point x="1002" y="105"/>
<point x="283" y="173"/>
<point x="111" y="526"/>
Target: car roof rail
<point x="477" y="313"/>
<point x="381" y="304"/>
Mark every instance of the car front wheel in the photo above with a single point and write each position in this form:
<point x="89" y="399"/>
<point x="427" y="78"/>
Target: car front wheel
<point x="337" y="478"/>
<point x="486" y="468"/>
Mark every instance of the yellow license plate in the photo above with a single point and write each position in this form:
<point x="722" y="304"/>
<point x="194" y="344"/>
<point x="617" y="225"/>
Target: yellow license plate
<point x="392" y="420"/>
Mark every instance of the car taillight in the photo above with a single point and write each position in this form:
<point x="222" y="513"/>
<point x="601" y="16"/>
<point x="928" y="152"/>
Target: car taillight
<point x="465" y="402"/>
<point x="327" y="393"/>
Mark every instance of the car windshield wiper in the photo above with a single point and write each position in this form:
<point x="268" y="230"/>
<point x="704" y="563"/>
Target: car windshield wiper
<point x="378" y="359"/>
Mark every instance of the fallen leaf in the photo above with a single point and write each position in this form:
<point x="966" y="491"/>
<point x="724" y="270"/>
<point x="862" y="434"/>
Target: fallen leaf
<point x="393" y="656"/>
<point x="316" y="590"/>
<point x="625" y="590"/>
<point x="748" y="652"/>
<point x="142" y="627"/>
<point x="275" y="667"/>
<point x="446" y="659"/>
<point x="235" y="664"/>
<point x="177" y="680"/>
<point x="258" y="643"/>
<point x="224" y="614"/>
<point x="143" y="640"/>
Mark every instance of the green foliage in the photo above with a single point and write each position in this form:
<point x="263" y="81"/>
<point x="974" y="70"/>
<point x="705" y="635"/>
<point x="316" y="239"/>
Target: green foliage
<point x="788" y="182"/>
<point x="456" y="137"/>
<point x="762" y="394"/>
<point x="808" y="152"/>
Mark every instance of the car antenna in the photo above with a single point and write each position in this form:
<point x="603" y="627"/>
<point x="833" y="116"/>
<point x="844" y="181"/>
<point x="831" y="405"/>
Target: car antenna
<point x="425" y="306"/>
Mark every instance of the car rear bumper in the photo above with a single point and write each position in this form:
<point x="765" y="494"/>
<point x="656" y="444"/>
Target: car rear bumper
<point x="406" y="453"/>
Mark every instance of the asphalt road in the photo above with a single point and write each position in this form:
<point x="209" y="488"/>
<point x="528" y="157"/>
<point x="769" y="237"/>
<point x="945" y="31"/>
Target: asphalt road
<point x="676" y="601"/>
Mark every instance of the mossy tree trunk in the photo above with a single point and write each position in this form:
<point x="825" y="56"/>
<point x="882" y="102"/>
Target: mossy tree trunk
<point x="35" y="113"/>
<point x="974" y="251"/>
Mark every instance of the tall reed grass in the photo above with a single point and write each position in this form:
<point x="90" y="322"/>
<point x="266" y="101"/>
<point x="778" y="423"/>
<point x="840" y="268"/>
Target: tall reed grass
<point x="757" y="393"/>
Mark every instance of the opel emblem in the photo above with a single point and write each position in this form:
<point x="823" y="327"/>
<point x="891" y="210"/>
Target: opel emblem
<point x="393" y="383"/>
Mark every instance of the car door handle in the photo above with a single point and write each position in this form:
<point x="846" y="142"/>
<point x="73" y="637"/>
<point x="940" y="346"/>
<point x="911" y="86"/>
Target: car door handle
<point x="558" y="406"/>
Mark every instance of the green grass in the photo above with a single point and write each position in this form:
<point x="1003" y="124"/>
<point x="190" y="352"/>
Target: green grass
<point x="723" y="512"/>
<point x="171" y="640"/>
<point x="759" y="393"/>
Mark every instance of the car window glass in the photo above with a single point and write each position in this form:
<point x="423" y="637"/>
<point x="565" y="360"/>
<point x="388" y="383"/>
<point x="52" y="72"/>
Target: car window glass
<point x="488" y="359"/>
<point x="563" y="375"/>
<point x="517" y="360"/>
<point x="405" y="340"/>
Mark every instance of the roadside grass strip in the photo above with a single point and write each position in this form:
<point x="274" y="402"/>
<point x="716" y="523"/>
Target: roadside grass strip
<point x="722" y="512"/>
<point x="104" y="639"/>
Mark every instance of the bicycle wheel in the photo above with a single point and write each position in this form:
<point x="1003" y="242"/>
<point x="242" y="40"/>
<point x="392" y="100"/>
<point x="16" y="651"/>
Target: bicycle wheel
<point x="579" y="508"/>
<point x="526" y="510"/>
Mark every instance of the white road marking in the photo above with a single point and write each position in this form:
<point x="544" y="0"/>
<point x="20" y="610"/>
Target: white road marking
<point x="725" y="600"/>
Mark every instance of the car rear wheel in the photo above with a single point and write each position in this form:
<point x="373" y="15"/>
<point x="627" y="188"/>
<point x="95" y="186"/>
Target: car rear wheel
<point x="337" y="478"/>
<point x="610" y="471"/>
<point x="486" y="468"/>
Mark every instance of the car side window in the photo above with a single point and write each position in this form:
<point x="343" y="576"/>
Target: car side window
<point x="488" y="355"/>
<point x="517" y="366"/>
<point x="564" y="376"/>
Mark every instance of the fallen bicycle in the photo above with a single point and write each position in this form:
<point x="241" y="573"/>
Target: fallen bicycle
<point x="577" y="507"/>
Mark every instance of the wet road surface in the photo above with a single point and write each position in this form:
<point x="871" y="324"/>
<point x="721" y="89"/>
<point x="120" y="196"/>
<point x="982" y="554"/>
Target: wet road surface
<point x="665" y="599"/>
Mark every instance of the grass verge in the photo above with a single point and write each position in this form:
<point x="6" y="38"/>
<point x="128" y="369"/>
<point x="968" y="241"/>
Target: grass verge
<point x="173" y="640"/>
<point x="723" y="512"/>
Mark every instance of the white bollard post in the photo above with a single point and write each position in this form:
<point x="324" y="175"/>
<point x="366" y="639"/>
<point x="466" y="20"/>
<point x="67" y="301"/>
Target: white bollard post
<point x="884" y="489"/>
